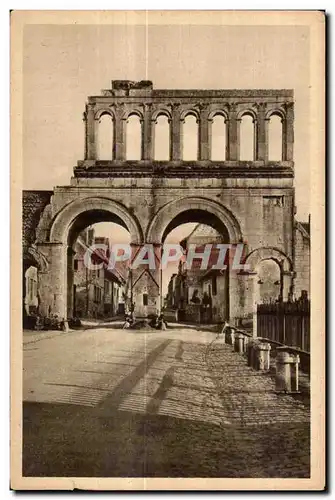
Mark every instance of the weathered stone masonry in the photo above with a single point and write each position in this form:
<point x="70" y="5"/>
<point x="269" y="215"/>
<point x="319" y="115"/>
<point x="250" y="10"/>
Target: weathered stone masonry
<point x="251" y="201"/>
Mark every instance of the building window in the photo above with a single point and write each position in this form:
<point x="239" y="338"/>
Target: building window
<point x="145" y="299"/>
<point x="75" y="265"/>
<point x="214" y="285"/>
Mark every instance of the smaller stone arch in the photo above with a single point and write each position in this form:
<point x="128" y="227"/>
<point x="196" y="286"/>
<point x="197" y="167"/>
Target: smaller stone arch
<point x="247" y="112"/>
<point x="161" y="112"/>
<point x="105" y="111"/>
<point x="218" y="112"/>
<point x="255" y="257"/>
<point x="133" y="112"/>
<point x="39" y="258"/>
<point x="190" y="112"/>
<point x="276" y="112"/>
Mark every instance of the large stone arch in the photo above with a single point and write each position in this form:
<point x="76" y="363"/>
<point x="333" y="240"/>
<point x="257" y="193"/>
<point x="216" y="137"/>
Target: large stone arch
<point x="168" y="212"/>
<point x="63" y="220"/>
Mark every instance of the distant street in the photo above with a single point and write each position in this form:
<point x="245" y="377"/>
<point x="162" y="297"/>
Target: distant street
<point x="108" y="402"/>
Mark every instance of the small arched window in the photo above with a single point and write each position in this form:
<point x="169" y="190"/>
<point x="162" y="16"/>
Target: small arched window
<point x="247" y="138"/>
<point x="106" y="138"/>
<point x="190" y="138"/>
<point x="162" y="138"/>
<point x="219" y="141"/>
<point x="134" y="138"/>
<point x="275" y="137"/>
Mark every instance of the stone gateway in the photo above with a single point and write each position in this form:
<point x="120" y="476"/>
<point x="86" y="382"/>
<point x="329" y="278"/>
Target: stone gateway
<point x="249" y="201"/>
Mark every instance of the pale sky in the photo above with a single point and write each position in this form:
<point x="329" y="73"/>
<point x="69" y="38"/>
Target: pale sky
<point x="63" y="64"/>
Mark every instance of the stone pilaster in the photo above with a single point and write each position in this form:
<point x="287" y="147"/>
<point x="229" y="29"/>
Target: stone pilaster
<point x="288" y="133"/>
<point x="120" y="126"/>
<point x="147" y="135"/>
<point x="262" y="134"/>
<point x="233" y="133"/>
<point x="204" y="134"/>
<point x="70" y="277"/>
<point x="91" y="146"/>
<point x="176" y="133"/>
<point x="52" y="283"/>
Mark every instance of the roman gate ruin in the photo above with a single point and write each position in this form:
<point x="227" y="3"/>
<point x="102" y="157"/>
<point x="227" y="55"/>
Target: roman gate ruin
<point x="247" y="200"/>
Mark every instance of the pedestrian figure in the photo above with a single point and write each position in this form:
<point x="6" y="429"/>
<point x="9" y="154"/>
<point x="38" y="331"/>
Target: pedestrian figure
<point x="161" y="323"/>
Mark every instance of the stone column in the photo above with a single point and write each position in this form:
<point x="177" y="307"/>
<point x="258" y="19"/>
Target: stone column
<point x="147" y="136"/>
<point x="52" y="283"/>
<point x="176" y="134"/>
<point x="262" y="134"/>
<point x="288" y="133"/>
<point x="233" y="134"/>
<point x="204" y="134"/>
<point x="70" y="275"/>
<point x="119" y="134"/>
<point x="86" y="138"/>
<point x="236" y="297"/>
<point x="91" y="146"/>
<point x="255" y="302"/>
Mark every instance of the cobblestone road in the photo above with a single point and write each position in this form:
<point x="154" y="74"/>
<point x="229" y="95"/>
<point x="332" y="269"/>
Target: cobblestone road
<point x="107" y="402"/>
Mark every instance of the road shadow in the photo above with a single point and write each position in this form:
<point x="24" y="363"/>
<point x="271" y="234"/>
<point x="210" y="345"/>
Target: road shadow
<point x="74" y="441"/>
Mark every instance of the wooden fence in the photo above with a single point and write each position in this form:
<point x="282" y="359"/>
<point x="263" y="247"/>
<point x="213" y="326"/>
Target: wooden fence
<point x="285" y="322"/>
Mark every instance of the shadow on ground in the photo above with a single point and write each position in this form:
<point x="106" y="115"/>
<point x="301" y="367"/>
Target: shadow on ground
<point x="75" y="441"/>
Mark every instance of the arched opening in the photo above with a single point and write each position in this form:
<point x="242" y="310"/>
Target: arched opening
<point x="162" y="138"/>
<point x="190" y="138"/>
<point x="97" y="287"/>
<point x="106" y="138"/>
<point x="134" y="138"/>
<point x="219" y="138"/>
<point x="31" y="291"/>
<point x="247" y="138"/>
<point x="192" y="289"/>
<point x="269" y="282"/>
<point x="275" y="135"/>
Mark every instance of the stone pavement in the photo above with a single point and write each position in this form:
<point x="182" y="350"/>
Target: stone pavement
<point x="106" y="402"/>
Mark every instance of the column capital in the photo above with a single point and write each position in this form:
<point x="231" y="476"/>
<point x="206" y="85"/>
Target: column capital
<point x="232" y="107"/>
<point x="261" y="106"/>
<point x="147" y="106"/>
<point x="175" y="105"/>
<point x="202" y="106"/>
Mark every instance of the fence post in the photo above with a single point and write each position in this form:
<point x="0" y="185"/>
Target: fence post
<point x="287" y="371"/>
<point x="263" y="356"/>
<point x="239" y="342"/>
